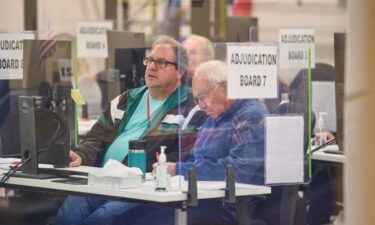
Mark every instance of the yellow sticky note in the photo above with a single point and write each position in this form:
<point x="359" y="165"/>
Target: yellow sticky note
<point x="77" y="97"/>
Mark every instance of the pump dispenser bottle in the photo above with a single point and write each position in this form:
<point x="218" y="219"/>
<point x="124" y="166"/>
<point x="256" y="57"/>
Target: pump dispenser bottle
<point x="321" y="134"/>
<point x="162" y="176"/>
<point x="284" y="98"/>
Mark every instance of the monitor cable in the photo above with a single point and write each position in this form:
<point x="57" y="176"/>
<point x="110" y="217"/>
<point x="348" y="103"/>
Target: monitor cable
<point x="324" y="145"/>
<point x="12" y="171"/>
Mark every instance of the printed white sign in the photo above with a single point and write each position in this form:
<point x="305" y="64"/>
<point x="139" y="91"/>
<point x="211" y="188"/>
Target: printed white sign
<point x="11" y="55"/>
<point x="252" y="71"/>
<point x="294" y="48"/>
<point x="92" y="39"/>
<point x="284" y="150"/>
<point x="65" y="70"/>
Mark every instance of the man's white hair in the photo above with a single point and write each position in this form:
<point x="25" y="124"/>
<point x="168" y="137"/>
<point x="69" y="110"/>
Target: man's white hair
<point x="212" y="72"/>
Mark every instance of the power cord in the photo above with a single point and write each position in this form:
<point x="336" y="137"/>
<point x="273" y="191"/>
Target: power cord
<point x="53" y="137"/>
<point x="12" y="171"/>
<point x="324" y="145"/>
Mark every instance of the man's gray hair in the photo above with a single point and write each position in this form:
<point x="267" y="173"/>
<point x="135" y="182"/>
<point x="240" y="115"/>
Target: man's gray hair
<point x="214" y="71"/>
<point x="207" y="46"/>
<point x="180" y="51"/>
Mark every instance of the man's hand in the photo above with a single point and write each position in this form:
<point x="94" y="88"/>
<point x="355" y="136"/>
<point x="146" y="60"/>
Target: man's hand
<point x="75" y="159"/>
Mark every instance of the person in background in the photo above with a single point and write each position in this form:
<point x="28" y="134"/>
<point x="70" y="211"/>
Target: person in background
<point x="199" y="49"/>
<point x="138" y="114"/>
<point x="232" y="135"/>
<point x="322" y="188"/>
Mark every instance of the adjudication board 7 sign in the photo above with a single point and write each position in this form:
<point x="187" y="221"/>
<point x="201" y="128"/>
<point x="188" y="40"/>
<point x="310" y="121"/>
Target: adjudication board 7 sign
<point x="252" y="71"/>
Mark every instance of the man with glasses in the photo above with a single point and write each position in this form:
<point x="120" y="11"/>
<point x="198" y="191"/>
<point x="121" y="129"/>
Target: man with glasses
<point x="153" y="113"/>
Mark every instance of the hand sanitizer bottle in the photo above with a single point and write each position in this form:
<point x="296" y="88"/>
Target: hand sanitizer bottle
<point x="321" y="134"/>
<point x="162" y="177"/>
<point x="284" y="98"/>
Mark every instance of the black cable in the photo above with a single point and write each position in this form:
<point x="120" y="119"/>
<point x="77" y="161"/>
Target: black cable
<point x="53" y="137"/>
<point x="43" y="148"/>
<point x="12" y="171"/>
<point x="324" y="145"/>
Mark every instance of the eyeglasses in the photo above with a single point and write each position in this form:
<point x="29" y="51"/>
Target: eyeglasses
<point x="203" y="97"/>
<point x="159" y="63"/>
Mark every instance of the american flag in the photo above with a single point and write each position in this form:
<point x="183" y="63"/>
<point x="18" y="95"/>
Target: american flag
<point x="46" y="46"/>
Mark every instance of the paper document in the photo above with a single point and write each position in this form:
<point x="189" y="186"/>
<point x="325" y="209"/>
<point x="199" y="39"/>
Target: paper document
<point x="284" y="149"/>
<point x="77" y="97"/>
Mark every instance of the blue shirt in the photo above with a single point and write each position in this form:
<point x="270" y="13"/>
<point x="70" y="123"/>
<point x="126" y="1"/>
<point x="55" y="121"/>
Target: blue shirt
<point x="236" y="139"/>
<point x="137" y="125"/>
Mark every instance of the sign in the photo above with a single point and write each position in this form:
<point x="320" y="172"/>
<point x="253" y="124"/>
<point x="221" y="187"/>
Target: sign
<point x="92" y="39"/>
<point x="65" y="70"/>
<point x="284" y="161"/>
<point x="294" y="48"/>
<point x="11" y="55"/>
<point x="252" y="71"/>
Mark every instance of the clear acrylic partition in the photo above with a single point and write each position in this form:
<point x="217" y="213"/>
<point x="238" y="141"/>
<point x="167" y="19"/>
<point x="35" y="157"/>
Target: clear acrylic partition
<point x="245" y="131"/>
<point x="294" y="78"/>
<point x="280" y="154"/>
<point x="92" y="70"/>
<point x="11" y="87"/>
<point x="47" y="76"/>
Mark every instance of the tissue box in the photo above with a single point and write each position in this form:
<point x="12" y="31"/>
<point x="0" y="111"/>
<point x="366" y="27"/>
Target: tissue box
<point x="114" y="182"/>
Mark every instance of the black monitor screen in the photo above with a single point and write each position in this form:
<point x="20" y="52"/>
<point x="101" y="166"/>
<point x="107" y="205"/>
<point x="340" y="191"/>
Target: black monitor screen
<point x="129" y="62"/>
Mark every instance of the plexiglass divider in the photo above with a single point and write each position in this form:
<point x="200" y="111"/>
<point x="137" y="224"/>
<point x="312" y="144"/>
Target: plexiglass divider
<point x="322" y="75"/>
<point x="12" y="86"/>
<point x="38" y="112"/>
<point x="127" y="49"/>
<point x="246" y="124"/>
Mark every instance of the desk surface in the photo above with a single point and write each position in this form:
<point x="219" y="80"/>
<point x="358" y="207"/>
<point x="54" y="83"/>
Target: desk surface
<point x="329" y="157"/>
<point x="145" y="192"/>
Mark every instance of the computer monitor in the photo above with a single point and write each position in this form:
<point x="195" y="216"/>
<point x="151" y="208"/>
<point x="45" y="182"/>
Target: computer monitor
<point x="129" y="62"/>
<point x="45" y="135"/>
<point x="339" y="47"/>
<point x="53" y="115"/>
<point x="125" y="70"/>
<point x="238" y="29"/>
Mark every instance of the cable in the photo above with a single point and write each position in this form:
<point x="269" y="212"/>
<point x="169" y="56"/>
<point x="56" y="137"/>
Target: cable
<point x="324" y="145"/>
<point x="53" y="137"/>
<point x="12" y="171"/>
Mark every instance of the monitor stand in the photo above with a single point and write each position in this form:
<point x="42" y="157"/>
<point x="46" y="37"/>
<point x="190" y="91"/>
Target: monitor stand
<point x="29" y="154"/>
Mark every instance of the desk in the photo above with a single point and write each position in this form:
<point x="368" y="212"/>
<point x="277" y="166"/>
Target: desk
<point x="329" y="157"/>
<point x="145" y="193"/>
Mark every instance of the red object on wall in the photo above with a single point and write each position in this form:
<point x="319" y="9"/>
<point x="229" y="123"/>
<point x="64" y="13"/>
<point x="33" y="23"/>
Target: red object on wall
<point x="242" y="8"/>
